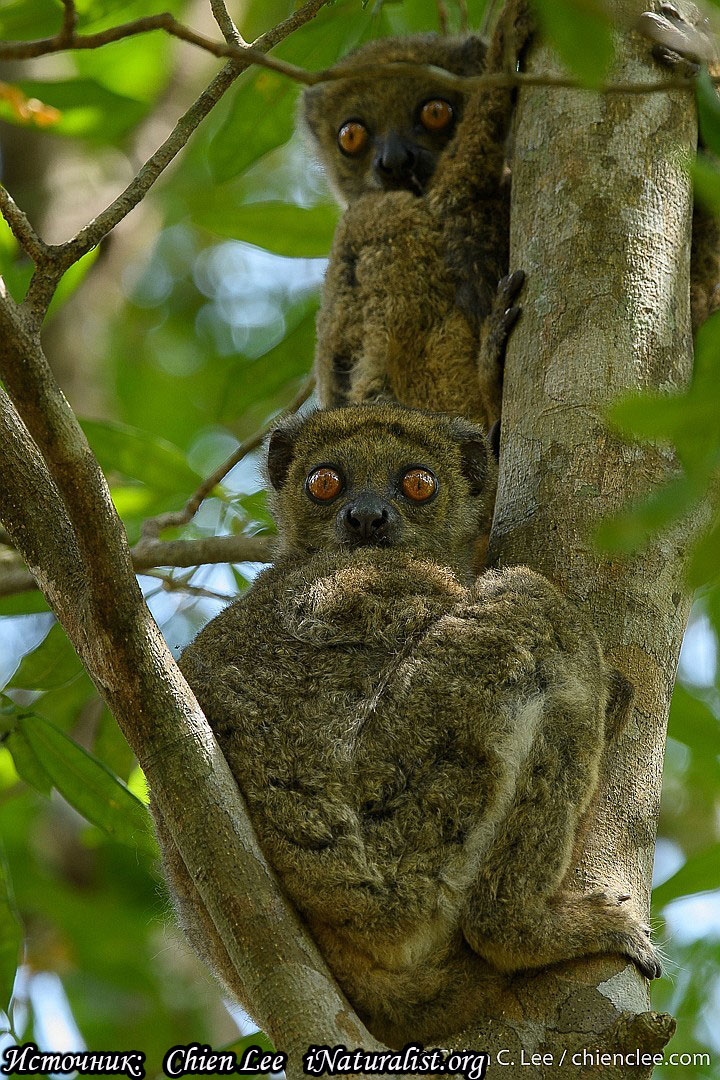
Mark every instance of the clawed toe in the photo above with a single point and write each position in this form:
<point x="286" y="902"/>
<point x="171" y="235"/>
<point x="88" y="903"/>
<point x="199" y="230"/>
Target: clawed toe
<point x="510" y="286"/>
<point x="643" y="953"/>
<point x="649" y="966"/>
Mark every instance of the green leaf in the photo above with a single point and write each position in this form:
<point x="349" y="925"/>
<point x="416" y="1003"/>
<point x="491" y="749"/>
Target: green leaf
<point x="277" y="370"/>
<point x="88" y="785"/>
<point x="25" y="20"/>
<point x="28" y="765"/>
<point x="15" y="269"/>
<point x="688" y="421"/>
<point x="256" y="16"/>
<point x="708" y="104"/>
<point x="648" y="416"/>
<point x="582" y="35"/>
<point x="705" y="562"/>
<point x="699" y="873"/>
<point x="705" y="173"/>
<point x="52" y="664"/>
<point x="70" y="280"/>
<point x="27" y="603"/>
<point x="278" y="227"/>
<point x="11" y="936"/>
<point x="255" y="1038"/>
<point x="255" y="506"/>
<point x="141" y="456"/>
<point x="706" y="369"/>
<point x="693" y="723"/>
<point x="262" y="114"/>
<point x="633" y="527"/>
<point x="88" y="109"/>
<point x="262" y="117"/>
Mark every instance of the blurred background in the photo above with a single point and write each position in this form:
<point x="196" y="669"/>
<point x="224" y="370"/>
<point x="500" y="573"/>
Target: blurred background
<point x="181" y="336"/>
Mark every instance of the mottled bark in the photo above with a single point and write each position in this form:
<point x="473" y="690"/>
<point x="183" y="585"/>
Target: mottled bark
<point x="601" y="225"/>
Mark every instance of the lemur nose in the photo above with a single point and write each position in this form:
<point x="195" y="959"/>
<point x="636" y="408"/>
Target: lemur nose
<point x="395" y="158"/>
<point x="366" y="519"/>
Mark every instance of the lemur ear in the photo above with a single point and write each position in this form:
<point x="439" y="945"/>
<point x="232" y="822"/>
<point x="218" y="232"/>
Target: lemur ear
<point x="473" y="54"/>
<point x="281" y="449"/>
<point x="475" y="464"/>
<point x="475" y="453"/>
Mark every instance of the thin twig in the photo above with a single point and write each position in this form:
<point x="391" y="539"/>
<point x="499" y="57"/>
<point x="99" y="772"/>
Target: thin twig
<point x="21" y="228"/>
<point x="62" y="256"/>
<point x="171" y="584"/>
<point x="227" y="27"/>
<point x="464" y="22"/>
<point x="443" y="18"/>
<point x="154" y="526"/>
<point x="69" y="20"/>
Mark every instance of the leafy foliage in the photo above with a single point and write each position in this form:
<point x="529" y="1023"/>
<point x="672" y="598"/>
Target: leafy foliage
<point x="211" y="336"/>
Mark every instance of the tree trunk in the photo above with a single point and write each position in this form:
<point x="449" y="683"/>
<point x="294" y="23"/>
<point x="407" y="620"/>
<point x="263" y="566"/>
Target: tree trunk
<point x="601" y="225"/>
<point x="601" y="220"/>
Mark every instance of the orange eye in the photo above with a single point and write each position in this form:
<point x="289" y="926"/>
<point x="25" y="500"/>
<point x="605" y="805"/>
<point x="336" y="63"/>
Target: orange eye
<point x="419" y="485"/>
<point x="352" y="138"/>
<point x="436" y="115"/>
<point x="324" y="484"/>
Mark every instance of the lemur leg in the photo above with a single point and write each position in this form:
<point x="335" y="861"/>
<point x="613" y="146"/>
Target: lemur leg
<point x="518" y="915"/>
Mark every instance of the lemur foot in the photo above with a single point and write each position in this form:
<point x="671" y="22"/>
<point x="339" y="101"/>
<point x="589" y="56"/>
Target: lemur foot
<point x="502" y="318"/>
<point x="622" y="931"/>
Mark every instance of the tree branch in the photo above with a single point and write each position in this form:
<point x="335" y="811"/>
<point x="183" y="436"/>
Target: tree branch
<point x="168" y="583"/>
<point x="69" y="20"/>
<point x="21" y="228"/>
<point x="29" y="497"/>
<point x="254" y="54"/>
<point x="227" y="27"/>
<point x="148" y="554"/>
<point x="62" y="256"/>
<point x="289" y="988"/>
<point x="213" y="549"/>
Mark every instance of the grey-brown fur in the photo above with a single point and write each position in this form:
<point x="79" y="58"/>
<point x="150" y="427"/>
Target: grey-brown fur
<point x="410" y="311"/>
<point x="418" y="752"/>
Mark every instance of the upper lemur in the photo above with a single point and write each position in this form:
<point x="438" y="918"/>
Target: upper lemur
<point x="418" y="750"/>
<point x="411" y="310"/>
